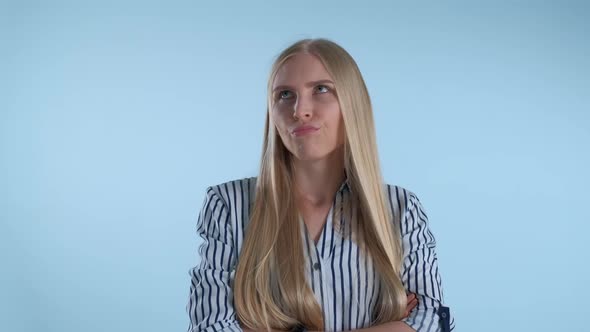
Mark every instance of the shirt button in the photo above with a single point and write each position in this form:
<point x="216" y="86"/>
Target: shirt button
<point x="316" y="266"/>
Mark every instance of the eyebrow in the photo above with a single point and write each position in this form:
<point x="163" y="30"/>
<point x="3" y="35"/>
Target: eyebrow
<point x="308" y="84"/>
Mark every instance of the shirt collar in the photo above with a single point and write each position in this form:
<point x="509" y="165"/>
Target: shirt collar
<point x="345" y="186"/>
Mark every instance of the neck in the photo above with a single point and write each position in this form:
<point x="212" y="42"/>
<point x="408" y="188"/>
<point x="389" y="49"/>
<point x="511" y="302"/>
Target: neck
<point x="316" y="182"/>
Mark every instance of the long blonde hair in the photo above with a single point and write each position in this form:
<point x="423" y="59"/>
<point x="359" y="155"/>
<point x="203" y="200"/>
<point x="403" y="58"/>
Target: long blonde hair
<point x="270" y="289"/>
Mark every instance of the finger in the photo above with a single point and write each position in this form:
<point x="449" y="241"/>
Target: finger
<point x="413" y="299"/>
<point x="408" y="311"/>
<point x="411" y="306"/>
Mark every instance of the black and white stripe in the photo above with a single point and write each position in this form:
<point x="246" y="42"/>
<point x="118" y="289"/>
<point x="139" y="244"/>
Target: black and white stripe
<point x="340" y="274"/>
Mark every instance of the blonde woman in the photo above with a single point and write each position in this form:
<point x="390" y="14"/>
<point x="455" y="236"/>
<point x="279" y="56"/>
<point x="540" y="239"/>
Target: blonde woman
<point x="317" y="241"/>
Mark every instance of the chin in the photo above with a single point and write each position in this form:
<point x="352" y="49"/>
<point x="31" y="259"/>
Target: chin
<point x="310" y="156"/>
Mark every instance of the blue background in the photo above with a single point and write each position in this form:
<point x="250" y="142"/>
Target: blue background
<point x="116" y="116"/>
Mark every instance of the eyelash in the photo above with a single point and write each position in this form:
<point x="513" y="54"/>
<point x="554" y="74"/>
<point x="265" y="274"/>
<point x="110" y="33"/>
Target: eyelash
<point x="324" y="86"/>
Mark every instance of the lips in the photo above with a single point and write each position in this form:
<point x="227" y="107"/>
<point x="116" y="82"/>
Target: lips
<point x="302" y="130"/>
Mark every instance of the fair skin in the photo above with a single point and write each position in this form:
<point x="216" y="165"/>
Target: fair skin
<point x="304" y="96"/>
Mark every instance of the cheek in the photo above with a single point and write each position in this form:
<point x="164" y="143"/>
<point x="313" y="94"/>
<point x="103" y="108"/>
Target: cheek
<point x="278" y="121"/>
<point x="337" y="126"/>
<point x="334" y="117"/>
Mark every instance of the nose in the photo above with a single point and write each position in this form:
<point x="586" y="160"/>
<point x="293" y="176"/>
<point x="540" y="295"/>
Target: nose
<point x="303" y="108"/>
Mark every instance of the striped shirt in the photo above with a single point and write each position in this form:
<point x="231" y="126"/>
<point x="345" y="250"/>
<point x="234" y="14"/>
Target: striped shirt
<point x="341" y="275"/>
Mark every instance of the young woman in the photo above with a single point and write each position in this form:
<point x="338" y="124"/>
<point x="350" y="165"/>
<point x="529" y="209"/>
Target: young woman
<point x="317" y="241"/>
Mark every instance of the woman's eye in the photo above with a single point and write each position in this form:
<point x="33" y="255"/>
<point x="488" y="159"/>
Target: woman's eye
<point x="322" y="88"/>
<point x="284" y="94"/>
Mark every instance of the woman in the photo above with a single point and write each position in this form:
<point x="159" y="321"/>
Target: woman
<point x="317" y="241"/>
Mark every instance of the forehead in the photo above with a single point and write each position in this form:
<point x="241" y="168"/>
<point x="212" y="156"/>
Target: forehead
<point x="299" y="69"/>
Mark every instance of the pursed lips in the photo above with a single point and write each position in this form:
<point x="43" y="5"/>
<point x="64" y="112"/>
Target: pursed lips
<point x="302" y="130"/>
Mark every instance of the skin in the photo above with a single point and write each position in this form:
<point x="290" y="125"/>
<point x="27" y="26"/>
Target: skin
<point x="304" y="94"/>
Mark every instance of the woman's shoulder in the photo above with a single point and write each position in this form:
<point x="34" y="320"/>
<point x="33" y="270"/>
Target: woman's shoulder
<point x="406" y="208"/>
<point x="400" y="197"/>
<point x="234" y="191"/>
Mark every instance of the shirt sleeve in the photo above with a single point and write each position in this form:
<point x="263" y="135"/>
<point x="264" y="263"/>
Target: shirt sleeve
<point x="210" y="306"/>
<point x="420" y="272"/>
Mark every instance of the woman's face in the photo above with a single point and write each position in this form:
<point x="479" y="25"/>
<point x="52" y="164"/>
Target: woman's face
<point x="306" y="112"/>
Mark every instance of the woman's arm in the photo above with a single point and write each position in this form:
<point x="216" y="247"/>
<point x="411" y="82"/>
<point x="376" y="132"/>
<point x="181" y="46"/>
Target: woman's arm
<point x="210" y="306"/>
<point x="388" y="327"/>
<point x="420" y="270"/>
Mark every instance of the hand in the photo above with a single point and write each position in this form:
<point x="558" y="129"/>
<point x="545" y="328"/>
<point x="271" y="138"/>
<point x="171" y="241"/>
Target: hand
<point x="412" y="303"/>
